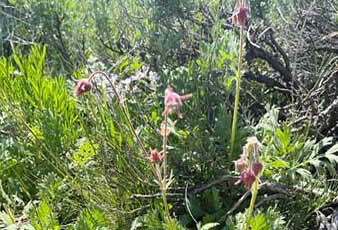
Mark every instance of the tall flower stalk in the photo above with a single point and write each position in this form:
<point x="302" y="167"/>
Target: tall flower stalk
<point x="239" y="18"/>
<point x="173" y="102"/>
<point x="165" y="170"/>
<point x="157" y="160"/>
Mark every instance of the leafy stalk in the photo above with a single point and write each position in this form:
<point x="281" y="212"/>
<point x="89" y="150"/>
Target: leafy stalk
<point x="165" y="171"/>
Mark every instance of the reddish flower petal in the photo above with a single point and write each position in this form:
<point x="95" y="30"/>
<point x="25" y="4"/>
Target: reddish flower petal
<point x="173" y="102"/>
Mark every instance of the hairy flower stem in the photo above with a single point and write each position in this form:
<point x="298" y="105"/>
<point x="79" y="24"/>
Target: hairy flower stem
<point x="165" y="171"/>
<point x="238" y="82"/>
<point x="254" y="191"/>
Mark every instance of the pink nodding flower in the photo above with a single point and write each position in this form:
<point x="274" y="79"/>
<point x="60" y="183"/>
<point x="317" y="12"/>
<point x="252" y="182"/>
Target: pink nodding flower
<point x="248" y="177"/>
<point x="82" y="86"/>
<point x="241" y="13"/>
<point x="257" y="168"/>
<point x="173" y="102"/>
<point x="155" y="156"/>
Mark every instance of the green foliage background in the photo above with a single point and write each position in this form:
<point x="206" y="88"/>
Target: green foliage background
<point x="70" y="162"/>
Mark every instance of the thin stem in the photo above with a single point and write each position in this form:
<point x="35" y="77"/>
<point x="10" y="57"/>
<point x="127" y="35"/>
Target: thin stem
<point x="252" y="204"/>
<point x="125" y="113"/>
<point x="238" y="82"/>
<point x="165" y="141"/>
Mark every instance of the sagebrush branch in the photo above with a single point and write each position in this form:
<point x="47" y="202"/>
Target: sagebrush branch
<point x="255" y="52"/>
<point x="266" y="186"/>
<point x="269" y="82"/>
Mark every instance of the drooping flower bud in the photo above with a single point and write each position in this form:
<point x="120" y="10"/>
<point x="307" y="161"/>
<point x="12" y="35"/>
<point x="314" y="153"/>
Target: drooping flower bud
<point x="249" y="165"/>
<point x="257" y="168"/>
<point x="248" y="178"/>
<point x="240" y="165"/>
<point x="241" y="13"/>
<point x="82" y="86"/>
<point x="252" y="147"/>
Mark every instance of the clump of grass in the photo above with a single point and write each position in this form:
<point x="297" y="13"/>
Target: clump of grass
<point x="158" y="160"/>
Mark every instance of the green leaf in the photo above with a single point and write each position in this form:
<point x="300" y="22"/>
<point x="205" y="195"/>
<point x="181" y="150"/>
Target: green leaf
<point x="202" y="92"/>
<point x="136" y="65"/>
<point x="124" y="64"/>
<point x="315" y="162"/>
<point x="285" y="138"/>
<point x="43" y="217"/>
<point x="229" y="81"/>
<point x="199" y="62"/>
<point x="259" y="222"/>
<point x="225" y="55"/>
<point x="136" y="224"/>
<point x="278" y="164"/>
<point x="86" y="152"/>
<point x="92" y="219"/>
<point x="332" y="158"/>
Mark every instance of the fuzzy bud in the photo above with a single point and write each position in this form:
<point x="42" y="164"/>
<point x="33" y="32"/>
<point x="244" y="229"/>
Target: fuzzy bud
<point x="155" y="156"/>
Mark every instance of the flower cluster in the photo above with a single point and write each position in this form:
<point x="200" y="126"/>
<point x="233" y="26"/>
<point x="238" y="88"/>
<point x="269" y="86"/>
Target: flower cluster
<point x="249" y="165"/>
<point x="241" y="13"/>
<point x="173" y="102"/>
